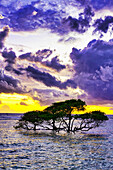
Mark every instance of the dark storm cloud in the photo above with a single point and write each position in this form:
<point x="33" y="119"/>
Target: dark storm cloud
<point x="94" y="69"/>
<point x="9" y="56"/>
<point x="23" y="19"/>
<point x="17" y="72"/>
<point x="50" y="15"/>
<point x="99" y="53"/>
<point x="102" y="25"/>
<point x="37" y="57"/>
<point x="3" y="35"/>
<point x="48" y="79"/>
<point x="9" y="80"/>
<point x="95" y="87"/>
<point x="82" y="23"/>
<point x="43" y="54"/>
<point x="54" y="63"/>
<point x="9" y="67"/>
<point x="27" y="56"/>
<point x="55" y="18"/>
<point x="9" y="85"/>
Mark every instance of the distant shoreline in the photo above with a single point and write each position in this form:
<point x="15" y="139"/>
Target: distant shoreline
<point x="12" y="113"/>
<point x="23" y="113"/>
<point x="17" y="116"/>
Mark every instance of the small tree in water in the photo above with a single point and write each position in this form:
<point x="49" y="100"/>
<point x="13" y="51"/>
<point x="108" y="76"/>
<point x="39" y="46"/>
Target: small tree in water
<point x="64" y="110"/>
<point x="59" y="116"/>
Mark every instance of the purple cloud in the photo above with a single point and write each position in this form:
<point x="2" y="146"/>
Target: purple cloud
<point x="94" y="69"/>
<point x="54" y="63"/>
<point x="102" y="25"/>
<point x="82" y="23"/>
<point x="43" y="54"/>
<point x="10" y="85"/>
<point x="3" y="35"/>
<point x="9" y="56"/>
<point x="48" y="79"/>
<point x="53" y="18"/>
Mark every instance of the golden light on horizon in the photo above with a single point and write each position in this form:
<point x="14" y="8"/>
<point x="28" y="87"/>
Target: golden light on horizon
<point x="90" y="108"/>
<point x="17" y="103"/>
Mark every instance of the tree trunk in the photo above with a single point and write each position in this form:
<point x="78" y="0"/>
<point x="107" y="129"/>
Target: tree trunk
<point x="34" y="128"/>
<point x="54" y="127"/>
<point x="69" y="124"/>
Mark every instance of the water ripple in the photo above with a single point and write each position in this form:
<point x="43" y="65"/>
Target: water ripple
<point x="27" y="150"/>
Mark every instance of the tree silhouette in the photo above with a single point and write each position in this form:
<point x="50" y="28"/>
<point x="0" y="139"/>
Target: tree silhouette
<point x="59" y="116"/>
<point x="65" y="108"/>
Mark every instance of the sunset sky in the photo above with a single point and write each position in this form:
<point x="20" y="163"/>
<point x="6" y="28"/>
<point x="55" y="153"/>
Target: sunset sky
<point x="54" y="51"/>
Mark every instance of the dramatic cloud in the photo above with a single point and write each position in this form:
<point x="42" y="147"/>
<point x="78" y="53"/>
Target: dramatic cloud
<point x="102" y="26"/>
<point x="9" y="67"/>
<point x="43" y="54"/>
<point x="27" y="56"/>
<point x="30" y="17"/>
<point x="18" y="72"/>
<point x="47" y="15"/>
<point x="48" y="96"/>
<point x="9" y="56"/>
<point x="48" y="79"/>
<point x="54" y="63"/>
<point x="56" y="27"/>
<point x="3" y="35"/>
<point x="20" y="19"/>
<point x="83" y="23"/>
<point x="94" y="69"/>
<point x="9" y="85"/>
<point x="37" y="57"/>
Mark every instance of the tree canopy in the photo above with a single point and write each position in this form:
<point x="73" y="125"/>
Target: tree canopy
<point x="59" y="116"/>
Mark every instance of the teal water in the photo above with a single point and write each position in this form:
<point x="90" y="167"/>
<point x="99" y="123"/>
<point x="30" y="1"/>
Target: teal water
<point x="45" y="151"/>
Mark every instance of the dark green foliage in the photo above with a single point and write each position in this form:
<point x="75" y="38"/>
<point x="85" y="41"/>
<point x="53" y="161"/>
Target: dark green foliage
<point x="33" y="116"/>
<point x="59" y="116"/>
<point x="67" y="106"/>
<point x="90" y="120"/>
<point x="95" y="115"/>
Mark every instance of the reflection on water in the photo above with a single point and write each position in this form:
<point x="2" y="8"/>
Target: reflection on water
<point x="44" y="150"/>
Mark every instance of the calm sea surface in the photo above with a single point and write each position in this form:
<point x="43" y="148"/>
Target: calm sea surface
<point x="45" y="151"/>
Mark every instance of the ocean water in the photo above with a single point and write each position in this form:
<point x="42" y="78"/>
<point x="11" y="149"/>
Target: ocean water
<point x="46" y="150"/>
